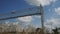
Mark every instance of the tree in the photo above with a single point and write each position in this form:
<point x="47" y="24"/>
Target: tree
<point x="55" y="30"/>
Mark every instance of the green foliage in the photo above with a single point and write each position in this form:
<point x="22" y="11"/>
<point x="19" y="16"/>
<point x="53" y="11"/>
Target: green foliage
<point x="55" y="31"/>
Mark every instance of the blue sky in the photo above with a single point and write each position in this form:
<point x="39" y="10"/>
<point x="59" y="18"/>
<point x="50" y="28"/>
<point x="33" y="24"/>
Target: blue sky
<point x="8" y="5"/>
<point x="51" y="11"/>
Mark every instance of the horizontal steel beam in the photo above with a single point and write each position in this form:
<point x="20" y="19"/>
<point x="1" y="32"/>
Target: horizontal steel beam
<point x="20" y="16"/>
<point x="20" y="13"/>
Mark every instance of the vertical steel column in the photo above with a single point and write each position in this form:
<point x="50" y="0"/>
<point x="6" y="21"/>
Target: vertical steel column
<point x="42" y="18"/>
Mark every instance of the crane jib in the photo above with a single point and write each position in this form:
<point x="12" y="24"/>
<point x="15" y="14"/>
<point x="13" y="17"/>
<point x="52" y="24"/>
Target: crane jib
<point x="20" y="13"/>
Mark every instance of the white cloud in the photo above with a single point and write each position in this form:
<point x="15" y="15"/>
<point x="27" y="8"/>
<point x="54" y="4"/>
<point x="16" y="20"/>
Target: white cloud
<point x="49" y="26"/>
<point x="37" y="16"/>
<point x="38" y="2"/>
<point x="7" y="22"/>
<point x="57" y="10"/>
<point x="16" y="23"/>
<point x="55" y="22"/>
<point x="26" y="19"/>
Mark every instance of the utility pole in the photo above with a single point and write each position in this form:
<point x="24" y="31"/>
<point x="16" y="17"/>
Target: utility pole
<point x="42" y="18"/>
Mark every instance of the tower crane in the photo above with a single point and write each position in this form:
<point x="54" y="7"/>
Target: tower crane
<point x="25" y="12"/>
